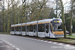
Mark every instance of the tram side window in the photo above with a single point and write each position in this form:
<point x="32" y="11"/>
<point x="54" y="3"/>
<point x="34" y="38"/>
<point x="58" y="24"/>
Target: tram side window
<point x="34" y="28"/>
<point x="60" y="28"/>
<point x="27" y="28"/>
<point x="16" y="28"/>
<point x="51" y="28"/>
<point x="19" y="28"/>
<point x="12" y="28"/>
<point x="47" y="28"/>
<point x="41" y="28"/>
<point x="31" y="28"/>
<point x="23" y="28"/>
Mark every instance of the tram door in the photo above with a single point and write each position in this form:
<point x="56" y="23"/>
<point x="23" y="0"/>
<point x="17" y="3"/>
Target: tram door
<point x="47" y="30"/>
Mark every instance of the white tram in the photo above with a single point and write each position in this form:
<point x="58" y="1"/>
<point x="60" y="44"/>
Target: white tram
<point x="51" y="28"/>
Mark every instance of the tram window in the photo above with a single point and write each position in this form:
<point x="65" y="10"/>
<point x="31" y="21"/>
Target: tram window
<point x="41" y="28"/>
<point x="34" y="29"/>
<point x="50" y="27"/>
<point x="12" y="28"/>
<point x="31" y="28"/>
<point x="47" y="28"/>
<point x="58" y="28"/>
<point x="27" y="28"/>
<point x="16" y="28"/>
<point x="23" y="28"/>
<point x="19" y="28"/>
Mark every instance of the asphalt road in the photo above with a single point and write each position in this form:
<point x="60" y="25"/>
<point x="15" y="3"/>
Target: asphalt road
<point x="24" y="43"/>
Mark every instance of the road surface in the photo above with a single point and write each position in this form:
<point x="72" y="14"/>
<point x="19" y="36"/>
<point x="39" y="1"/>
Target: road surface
<point x="24" y="43"/>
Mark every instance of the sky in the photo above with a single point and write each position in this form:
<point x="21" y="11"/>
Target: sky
<point x="64" y="1"/>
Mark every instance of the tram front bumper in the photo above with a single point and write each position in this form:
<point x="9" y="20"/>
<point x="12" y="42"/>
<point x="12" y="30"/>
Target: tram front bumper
<point x="59" y="36"/>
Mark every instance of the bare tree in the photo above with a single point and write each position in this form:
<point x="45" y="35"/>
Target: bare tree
<point x="8" y="20"/>
<point x="23" y="10"/>
<point x="3" y="15"/>
<point x="41" y="4"/>
<point x="32" y="8"/>
<point x="63" y="18"/>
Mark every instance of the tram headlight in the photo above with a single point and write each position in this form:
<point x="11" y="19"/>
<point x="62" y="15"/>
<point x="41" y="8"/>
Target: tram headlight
<point x="57" y="21"/>
<point x="54" y="21"/>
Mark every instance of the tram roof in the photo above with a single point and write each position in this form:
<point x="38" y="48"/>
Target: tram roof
<point x="33" y="22"/>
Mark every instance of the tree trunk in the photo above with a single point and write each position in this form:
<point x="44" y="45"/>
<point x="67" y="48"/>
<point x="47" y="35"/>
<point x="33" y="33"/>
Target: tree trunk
<point x="63" y="19"/>
<point x="3" y="14"/>
<point x="8" y="24"/>
<point x="71" y="18"/>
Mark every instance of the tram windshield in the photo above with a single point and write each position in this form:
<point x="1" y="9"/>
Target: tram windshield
<point x="57" y="28"/>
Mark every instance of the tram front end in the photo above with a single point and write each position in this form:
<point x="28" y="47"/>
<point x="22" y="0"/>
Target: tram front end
<point x="57" y="28"/>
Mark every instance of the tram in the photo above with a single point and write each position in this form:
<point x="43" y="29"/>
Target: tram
<point x="51" y="28"/>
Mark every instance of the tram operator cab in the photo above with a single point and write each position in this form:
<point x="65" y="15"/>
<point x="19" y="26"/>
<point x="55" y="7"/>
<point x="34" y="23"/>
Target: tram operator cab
<point x="57" y="30"/>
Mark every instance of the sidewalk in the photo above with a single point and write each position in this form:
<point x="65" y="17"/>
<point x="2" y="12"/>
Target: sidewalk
<point x="4" y="46"/>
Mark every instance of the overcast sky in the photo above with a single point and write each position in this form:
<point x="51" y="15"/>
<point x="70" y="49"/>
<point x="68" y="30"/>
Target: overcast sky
<point x="64" y="1"/>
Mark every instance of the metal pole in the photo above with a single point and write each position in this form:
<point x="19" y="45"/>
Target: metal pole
<point x="37" y="27"/>
<point x="23" y="4"/>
